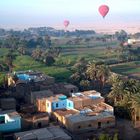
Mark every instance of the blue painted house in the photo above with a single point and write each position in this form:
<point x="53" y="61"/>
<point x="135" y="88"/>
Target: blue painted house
<point x="58" y="102"/>
<point x="10" y="121"/>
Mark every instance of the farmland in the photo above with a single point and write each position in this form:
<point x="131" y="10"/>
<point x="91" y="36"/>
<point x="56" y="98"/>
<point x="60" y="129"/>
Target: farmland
<point x="70" y="53"/>
<point x="131" y="69"/>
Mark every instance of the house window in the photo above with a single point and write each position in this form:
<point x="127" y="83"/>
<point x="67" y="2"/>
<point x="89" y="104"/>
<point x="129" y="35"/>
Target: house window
<point x="71" y="91"/>
<point x="56" y="104"/>
<point x="89" y="125"/>
<point x="99" y="124"/>
<point x="108" y="122"/>
<point x="137" y="118"/>
<point x="79" y="127"/>
<point x="39" y="125"/>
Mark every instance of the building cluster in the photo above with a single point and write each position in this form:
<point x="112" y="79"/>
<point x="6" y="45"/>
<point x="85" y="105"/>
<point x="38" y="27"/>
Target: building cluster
<point x="82" y="112"/>
<point x="38" y="108"/>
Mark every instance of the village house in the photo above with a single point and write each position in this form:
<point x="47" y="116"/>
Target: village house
<point x="34" y="120"/>
<point x="29" y="76"/>
<point x="23" y="82"/>
<point x="85" y="120"/>
<point x="34" y="95"/>
<point x="89" y="112"/>
<point x="63" y="88"/>
<point x="55" y="102"/>
<point x="10" y="121"/>
<point x="83" y="111"/>
<point x="48" y="133"/>
<point x="8" y="104"/>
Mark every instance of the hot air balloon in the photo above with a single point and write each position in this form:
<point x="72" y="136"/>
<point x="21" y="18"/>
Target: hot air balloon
<point x="66" y="23"/>
<point x="103" y="10"/>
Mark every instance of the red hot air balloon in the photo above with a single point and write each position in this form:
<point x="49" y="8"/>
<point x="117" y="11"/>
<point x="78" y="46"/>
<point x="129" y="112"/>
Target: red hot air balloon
<point x="66" y="23"/>
<point x="103" y="10"/>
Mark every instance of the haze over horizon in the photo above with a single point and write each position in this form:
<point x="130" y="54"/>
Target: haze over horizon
<point x="83" y="14"/>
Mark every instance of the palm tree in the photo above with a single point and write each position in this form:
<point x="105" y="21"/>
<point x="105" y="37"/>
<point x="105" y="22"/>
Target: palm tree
<point x="84" y="85"/>
<point x="92" y="70"/>
<point x="81" y="65"/>
<point x="21" y="50"/>
<point x="113" y="78"/>
<point x="117" y="91"/>
<point x="135" y="107"/>
<point x="37" y="53"/>
<point x="75" y="78"/>
<point x="98" y="72"/>
<point x="131" y="87"/>
<point x="9" y="61"/>
<point x="13" y="41"/>
<point x="48" y="41"/>
<point x="102" y="74"/>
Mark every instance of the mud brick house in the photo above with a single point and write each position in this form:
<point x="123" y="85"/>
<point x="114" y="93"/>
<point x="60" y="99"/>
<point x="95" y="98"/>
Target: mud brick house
<point x="10" y="121"/>
<point x="23" y="82"/>
<point x="35" y="120"/>
<point x="8" y="103"/>
<point x="63" y="88"/>
<point x="48" y="133"/>
<point x="55" y="102"/>
<point x="34" y="95"/>
<point x="89" y="112"/>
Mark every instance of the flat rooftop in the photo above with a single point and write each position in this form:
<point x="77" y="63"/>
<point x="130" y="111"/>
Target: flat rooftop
<point x="37" y="115"/>
<point x="91" y="92"/>
<point x="10" y="113"/>
<point x="98" y="108"/>
<point x="69" y="86"/>
<point x="31" y="75"/>
<point x="50" y="133"/>
<point x="56" y="97"/>
<point x="42" y="93"/>
<point x="65" y="112"/>
<point x="82" y="97"/>
<point x="89" y="117"/>
<point x="87" y="94"/>
<point x="91" y="112"/>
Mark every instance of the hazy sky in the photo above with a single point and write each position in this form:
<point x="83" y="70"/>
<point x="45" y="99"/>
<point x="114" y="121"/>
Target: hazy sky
<point x="81" y="13"/>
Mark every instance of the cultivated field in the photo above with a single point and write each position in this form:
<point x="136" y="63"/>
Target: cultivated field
<point x="61" y="70"/>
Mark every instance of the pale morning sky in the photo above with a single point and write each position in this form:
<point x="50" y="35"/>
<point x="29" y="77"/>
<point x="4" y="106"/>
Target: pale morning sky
<point x="81" y="13"/>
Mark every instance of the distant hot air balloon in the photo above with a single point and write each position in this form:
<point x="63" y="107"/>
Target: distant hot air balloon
<point x="66" y="23"/>
<point x="103" y="10"/>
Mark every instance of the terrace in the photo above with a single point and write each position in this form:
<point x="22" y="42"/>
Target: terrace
<point x="31" y="76"/>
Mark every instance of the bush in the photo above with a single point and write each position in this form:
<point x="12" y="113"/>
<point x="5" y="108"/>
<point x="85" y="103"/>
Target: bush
<point x="104" y="137"/>
<point x="84" y="85"/>
<point x="49" y="60"/>
<point x="1" y="79"/>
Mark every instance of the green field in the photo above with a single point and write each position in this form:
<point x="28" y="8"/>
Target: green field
<point x="3" y="51"/>
<point x="25" y="62"/>
<point x="69" y="56"/>
<point x="129" y="68"/>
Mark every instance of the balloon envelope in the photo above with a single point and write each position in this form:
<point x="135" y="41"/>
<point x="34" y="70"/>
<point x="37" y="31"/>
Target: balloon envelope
<point x="103" y="10"/>
<point x="66" y="23"/>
